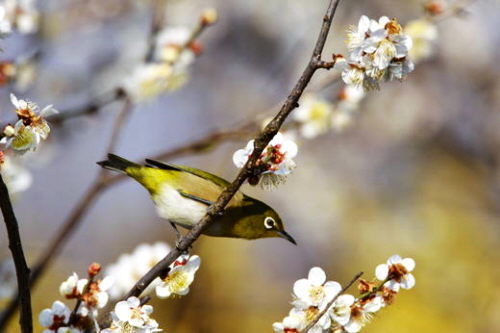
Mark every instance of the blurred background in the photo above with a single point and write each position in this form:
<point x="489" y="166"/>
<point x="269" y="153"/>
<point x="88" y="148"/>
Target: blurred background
<point x="417" y="173"/>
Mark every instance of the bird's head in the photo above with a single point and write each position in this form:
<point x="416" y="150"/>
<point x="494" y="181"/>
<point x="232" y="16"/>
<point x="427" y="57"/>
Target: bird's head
<point x="261" y="221"/>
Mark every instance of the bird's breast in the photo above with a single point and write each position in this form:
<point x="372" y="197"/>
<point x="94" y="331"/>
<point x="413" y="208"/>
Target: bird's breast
<point x="171" y="205"/>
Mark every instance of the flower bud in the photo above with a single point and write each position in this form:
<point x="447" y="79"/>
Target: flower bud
<point x="209" y="16"/>
<point x="94" y="269"/>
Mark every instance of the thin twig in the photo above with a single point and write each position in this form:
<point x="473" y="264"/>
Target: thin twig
<point x="157" y="24"/>
<point x="329" y="305"/>
<point x="22" y="270"/>
<point x="260" y="143"/>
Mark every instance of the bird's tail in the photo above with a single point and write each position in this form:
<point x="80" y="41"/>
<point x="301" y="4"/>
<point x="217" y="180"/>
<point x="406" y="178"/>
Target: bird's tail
<point x="117" y="163"/>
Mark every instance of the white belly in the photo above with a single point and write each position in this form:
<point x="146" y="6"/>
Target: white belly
<point x="171" y="205"/>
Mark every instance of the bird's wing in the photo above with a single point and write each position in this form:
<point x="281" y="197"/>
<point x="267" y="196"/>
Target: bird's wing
<point x="196" y="184"/>
<point x="197" y="172"/>
<point x="201" y="189"/>
<point x="195" y="198"/>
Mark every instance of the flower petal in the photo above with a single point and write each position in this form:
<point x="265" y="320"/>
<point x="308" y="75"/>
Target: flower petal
<point x="317" y="276"/>
<point x="381" y="272"/>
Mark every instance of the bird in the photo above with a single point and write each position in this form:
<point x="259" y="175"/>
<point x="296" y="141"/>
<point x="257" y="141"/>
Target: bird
<point x="183" y="194"/>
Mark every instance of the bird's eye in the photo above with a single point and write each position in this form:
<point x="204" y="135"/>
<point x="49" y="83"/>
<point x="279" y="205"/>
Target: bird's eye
<point x="269" y="223"/>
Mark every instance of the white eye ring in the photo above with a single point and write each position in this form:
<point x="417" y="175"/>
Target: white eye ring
<point x="269" y="223"/>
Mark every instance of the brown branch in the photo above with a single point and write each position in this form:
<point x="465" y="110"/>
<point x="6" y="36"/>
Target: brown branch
<point x="22" y="270"/>
<point x="329" y="305"/>
<point x="261" y="142"/>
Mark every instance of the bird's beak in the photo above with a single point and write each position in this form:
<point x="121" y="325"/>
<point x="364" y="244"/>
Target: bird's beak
<point x="285" y="235"/>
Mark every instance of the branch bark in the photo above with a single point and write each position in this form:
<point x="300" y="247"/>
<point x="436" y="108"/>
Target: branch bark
<point x="260" y="143"/>
<point x="22" y="270"/>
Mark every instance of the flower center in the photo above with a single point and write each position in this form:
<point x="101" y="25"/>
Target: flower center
<point x="316" y="294"/>
<point x="177" y="281"/>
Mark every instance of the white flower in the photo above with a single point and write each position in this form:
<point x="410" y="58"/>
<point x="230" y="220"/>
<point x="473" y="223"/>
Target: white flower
<point x="423" y="33"/>
<point x="314" y="115"/>
<point x="20" y="14"/>
<point x="148" y="81"/>
<point x="131" y="267"/>
<point x="350" y="96"/>
<point x="374" y="47"/>
<point x="71" y="288"/>
<point x="16" y="177"/>
<point x="169" y="44"/>
<point x="276" y="161"/>
<point x="313" y="291"/>
<point x="5" y="25"/>
<point x="94" y="296"/>
<point x="31" y="127"/>
<point x="294" y="322"/>
<point x="298" y="319"/>
<point x="361" y="314"/>
<point x="398" y="271"/>
<point x="55" y="318"/>
<point x="130" y="317"/>
<point x="180" y="277"/>
<point x="341" y="309"/>
<point x="97" y="296"/>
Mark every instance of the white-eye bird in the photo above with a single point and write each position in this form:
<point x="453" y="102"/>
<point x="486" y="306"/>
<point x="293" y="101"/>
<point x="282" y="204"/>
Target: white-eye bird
<point x="182" y="195"/>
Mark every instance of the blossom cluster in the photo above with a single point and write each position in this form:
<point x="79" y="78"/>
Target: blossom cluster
<point x="275" y="162"/>
<point x="175" y="49"/>
<point x="91" y="294"/>
<point x="29" y="130"/>
<point x="321" y="304"/>
<point x="378" y="51"/>
<point x="131" y="267"/>
<point x="131" y="316"/>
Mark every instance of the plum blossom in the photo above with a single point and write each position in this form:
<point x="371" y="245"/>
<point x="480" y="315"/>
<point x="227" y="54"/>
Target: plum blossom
<point x="378" y="52"/>
<point x="276" y="161"/>
<point x="314" y="291"/>
<point x="94" y="296"/>
<point x="423" y="33"/>
<point x="362" y="312"/>
<point x="294" y="322"/>
<point x="180" y="277"/>
<point x="170" y="45"/>
<point x="131" y="267"/>
<point x="20" y="15"/>
<point x="148" y="81"/>
<point x="314" y="116"/>
<point x="17" y="178"/>
<point x="30" y="129"/>
<point x="131" y="317"/>
<point x="397" y="270"/>
<point x="56" y="319"/>
<point x="340" y="311"/>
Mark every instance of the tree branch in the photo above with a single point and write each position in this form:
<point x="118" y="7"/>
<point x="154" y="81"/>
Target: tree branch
<point x="260" y="143"/>
<point x="22" y="270"/>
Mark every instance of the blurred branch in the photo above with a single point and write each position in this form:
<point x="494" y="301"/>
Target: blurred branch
<point x="90" y="109"/>
<point x="22" y="270"/>
<point x="157" y="24"/>
<point x="329" y="305"/>
<point x="260" y="143"/>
